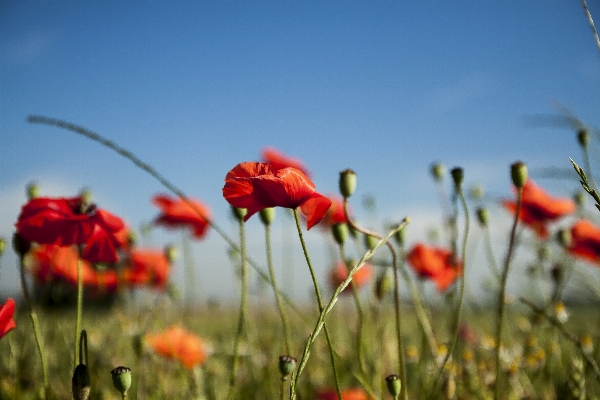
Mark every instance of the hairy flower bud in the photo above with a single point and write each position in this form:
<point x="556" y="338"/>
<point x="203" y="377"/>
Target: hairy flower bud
<point x="347" y="183"/>
<point x="80" y="384"/>
<point x="20" y="245"/>
<point x="340" y="232"/>
<point x="438" y="171"/>
<point x="518" y="174"/>
<point x="33" y="191"/>
<point x="267" y="215"/>
<point x="583" y="137"/>
<point x="238" y="213"/>
<point x="483" y="216"/>
<point x="370" y="241"/>
<point x="458" y="176"/>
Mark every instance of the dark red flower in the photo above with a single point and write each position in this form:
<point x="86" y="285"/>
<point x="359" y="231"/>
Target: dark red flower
<point x="254" y="186"/>
<point x="150" y="267"/>
<point x="177" y="213"/>
<point x="68" y="221"/>
<point x="179" y="344"/>
<point x="340" y="272"/>
<point x="7" y="312"/>
<point x="538" y="208"/>
<point x="279" y="160"/>
<point x="585" y="241"/>
<point x="434" y="263"/>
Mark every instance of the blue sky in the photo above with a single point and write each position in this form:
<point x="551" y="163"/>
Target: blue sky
<point x="193" y="88"/>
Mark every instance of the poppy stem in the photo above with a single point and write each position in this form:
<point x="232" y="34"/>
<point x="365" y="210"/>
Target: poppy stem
<point x="461" y="296"/>
<point x="401" y="364"/>
<point x="242" y="314"/>
<point x="36" y="330"/>
<point x="502" y="296"/>
<point x="284" y="323"/>
<point x="319" y="302"/>
<point x="79" y="308"/>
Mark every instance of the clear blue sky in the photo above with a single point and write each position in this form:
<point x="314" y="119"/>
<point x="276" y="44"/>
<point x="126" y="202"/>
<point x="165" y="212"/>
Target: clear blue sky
<point x="193" y="88"/>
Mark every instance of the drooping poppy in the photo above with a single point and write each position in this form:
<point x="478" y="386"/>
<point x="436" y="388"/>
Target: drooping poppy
<point x="340" y="272"/>
<point x="177" y="213"/>
<point x="437" y="264"/>
<point x="179" y="344"/>
<point x="585" y="241"/>
<point x="278" y="160"/>
<point x="348" y="394"/>
<point x="7" y="312"/>
<point x="69" y="221"/>
<point x="147" y="267"/>
<point x="538" y="208"/>
<point x="254" y="186"/>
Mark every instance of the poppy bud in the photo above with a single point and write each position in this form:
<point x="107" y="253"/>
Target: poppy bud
<point x="370" y="241"/>
<point x="579" y="198"/>
<point x="383" y="286"/>
<point x="353" y="232"/>
<point x="557" y="273"/>
<point x="80" y="384"/>
<point x="2" y="246"/>
<point x="583" y="137"/>
<point x="483" y="216"/>
<point x="340" y="232"/>
<point x="400" y="236"/>
<point x="564" y="237"/>
<point x="121" y="377"/>
<point x="171" y="253"/>
<point x="33" y="190"/>
<point x="287" y="365"/>
<point x="239" y="213"/>
<point x="438" y="171"/>
<point x="267" y="215"/>
<point x="86" y="196"/>
<point x="347" y="182"/>
<point x="543" y="253"/>
<point x="458" y="176"/>
<point x="394" y="385"/>
<point x="477" y="192"/>
<point x="20" y="244"/>
<point x="518" y="174"/>
<point x="131" y="238"/>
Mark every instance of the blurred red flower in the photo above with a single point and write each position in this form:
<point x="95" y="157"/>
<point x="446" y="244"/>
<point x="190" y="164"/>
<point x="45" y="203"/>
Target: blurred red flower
<point x="434" y="263"/>
<point x="585" y="241"/>
<point x="7" y="312"/>
<point x="279" y="160"/>
<point x="179" y="344"/>
<point x="335" y="214"/>
<point x="255" y="186"/>
<point x="147" y="267"/>
<point x="177" y="213"/>
<point x="538" y="208"/>
<point x="68" y="221"/>
<point x="340" y="272"/>
<point x="348" y="394"/>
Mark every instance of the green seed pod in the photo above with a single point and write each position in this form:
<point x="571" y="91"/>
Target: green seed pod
<point x="287" y="365"/>
<point x="121" y="377"/>
<point x="483" y="216"/>
<point x="518" y="174"/>
<point x="33" y="191"/>
<point x="347" y="182"/>
<point x="238" y="213"/>
<point x="80" y="384"/>
<point x="458" y="176"/>
<point x="340" y="232"/>
<point x="394" y="385"/>
<point x="267" y="215"/>
<point x="438" y="171"/>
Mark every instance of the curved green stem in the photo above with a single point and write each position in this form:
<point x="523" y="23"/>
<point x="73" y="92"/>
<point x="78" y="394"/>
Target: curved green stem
<point x="459" y="307"/>
<point x="36" y="330"/>
<point x="319" y="302"/>
<point x="502" y="296"/>
<point x="284" y="323"/>
<point x="242" y="314"/>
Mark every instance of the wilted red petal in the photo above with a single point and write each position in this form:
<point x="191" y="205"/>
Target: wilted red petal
<point x="7" y="312"/>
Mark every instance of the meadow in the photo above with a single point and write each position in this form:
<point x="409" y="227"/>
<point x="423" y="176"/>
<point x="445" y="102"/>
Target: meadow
<point x="93" y="300"/>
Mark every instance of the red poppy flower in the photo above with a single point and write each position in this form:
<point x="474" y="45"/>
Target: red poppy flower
<point x="340" y="272"/>
<point x="348" y="394"/>
<point x="279" y="160"/>
<point x="255" y="186"/>
<point x="68" y="221"/>
<point x="177" y="213"/>
<point x="7" y="312"/>
<point x="538" y="208"/>
<point x="179" y="344"/>
<point x="434" y="263"/>
<point x="335" y="214"/>
<point x="148" y="267"/>
<point x="585" y="241"/>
